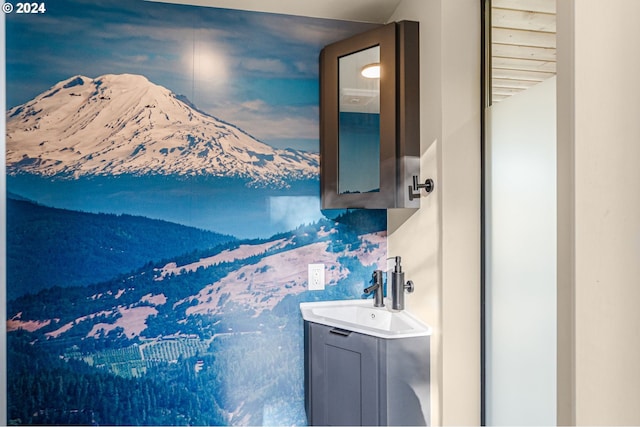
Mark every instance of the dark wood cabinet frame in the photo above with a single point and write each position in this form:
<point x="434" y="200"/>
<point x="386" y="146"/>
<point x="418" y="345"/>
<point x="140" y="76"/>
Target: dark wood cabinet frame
<point x="399" y="117"/>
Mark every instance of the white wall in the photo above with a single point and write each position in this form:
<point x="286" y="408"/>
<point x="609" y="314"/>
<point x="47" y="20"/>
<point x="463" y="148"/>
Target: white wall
<point x="521" y="258"/>
<point x="599" y="204"/>
<point x="440" y="243"/>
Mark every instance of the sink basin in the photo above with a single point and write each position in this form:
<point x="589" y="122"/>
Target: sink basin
<point x="361" y="316"/>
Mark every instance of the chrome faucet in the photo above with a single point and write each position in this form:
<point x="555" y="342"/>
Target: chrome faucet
<point x="377" y="288"/>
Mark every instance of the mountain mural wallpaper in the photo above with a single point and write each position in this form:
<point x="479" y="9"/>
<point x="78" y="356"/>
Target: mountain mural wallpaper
<point x="162" y="207"/>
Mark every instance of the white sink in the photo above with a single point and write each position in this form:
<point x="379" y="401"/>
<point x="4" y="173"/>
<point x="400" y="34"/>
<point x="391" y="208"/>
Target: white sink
<point x="361" y="316"/>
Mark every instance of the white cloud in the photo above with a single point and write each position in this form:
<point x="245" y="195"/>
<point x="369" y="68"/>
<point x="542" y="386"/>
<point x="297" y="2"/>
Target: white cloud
<point x="266" y="122"/>
<point x="267" y="65"/>
<point x="291" y="211"/>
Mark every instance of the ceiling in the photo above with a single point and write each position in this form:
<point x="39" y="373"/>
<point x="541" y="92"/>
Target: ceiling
<point x="523" y="45"/>
<point x="374" y="11"/>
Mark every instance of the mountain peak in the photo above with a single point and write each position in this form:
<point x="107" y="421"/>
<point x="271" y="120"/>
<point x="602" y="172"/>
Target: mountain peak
<point x="124" y="124"/>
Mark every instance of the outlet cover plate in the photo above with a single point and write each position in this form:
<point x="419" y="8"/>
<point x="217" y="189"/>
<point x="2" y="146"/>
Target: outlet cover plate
<point x="316" y="277"/>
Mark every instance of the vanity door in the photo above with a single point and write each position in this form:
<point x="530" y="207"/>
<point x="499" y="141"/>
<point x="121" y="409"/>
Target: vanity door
<point x="344" y="377"/>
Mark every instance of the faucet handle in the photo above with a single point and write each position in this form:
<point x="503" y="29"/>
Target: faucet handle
<point x="377" y="276"/>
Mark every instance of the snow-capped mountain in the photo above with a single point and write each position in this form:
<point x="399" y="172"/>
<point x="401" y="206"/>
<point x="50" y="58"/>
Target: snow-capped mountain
<point x="124" y="124"/>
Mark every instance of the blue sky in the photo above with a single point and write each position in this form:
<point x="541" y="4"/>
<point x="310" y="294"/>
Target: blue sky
<point x="255" y="70"/>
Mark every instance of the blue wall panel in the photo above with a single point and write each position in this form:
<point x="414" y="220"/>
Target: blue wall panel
<point x="162" y="208"/>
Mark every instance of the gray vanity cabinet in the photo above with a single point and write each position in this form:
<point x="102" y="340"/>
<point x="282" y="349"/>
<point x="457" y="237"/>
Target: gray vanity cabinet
<point x="357" y="379"/>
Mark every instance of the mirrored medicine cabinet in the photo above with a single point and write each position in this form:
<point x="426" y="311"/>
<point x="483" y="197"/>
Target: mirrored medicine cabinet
<point x="370" y="119"/>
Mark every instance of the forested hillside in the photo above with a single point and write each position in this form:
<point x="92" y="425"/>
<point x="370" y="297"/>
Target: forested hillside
<point x="46" y="390"/>
<point x="49" y="247"/>
<point x="206" y="337"/>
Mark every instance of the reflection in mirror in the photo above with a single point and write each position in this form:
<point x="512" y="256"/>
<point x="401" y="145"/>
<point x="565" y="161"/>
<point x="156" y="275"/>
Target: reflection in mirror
<point x="359" y="123"/>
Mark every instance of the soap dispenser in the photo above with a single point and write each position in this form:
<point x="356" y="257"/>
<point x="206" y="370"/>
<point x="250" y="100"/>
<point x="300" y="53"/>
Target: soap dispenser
<point x="398" y="286"/>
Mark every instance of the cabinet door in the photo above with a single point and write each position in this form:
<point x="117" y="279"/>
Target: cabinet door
<point x="370" y="125"/>
<point x="344" y="377"/>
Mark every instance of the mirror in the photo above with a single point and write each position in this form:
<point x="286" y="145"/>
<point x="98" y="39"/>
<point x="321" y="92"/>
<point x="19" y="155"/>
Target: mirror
<point x="359" y="122"/>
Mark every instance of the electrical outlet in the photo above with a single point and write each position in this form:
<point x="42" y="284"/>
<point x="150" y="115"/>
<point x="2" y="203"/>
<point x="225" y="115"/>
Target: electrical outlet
<point x="316" y="277"/>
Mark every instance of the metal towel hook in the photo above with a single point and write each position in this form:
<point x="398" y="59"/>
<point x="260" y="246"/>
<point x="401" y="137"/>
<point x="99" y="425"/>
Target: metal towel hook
<point x="414" y="190"/>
